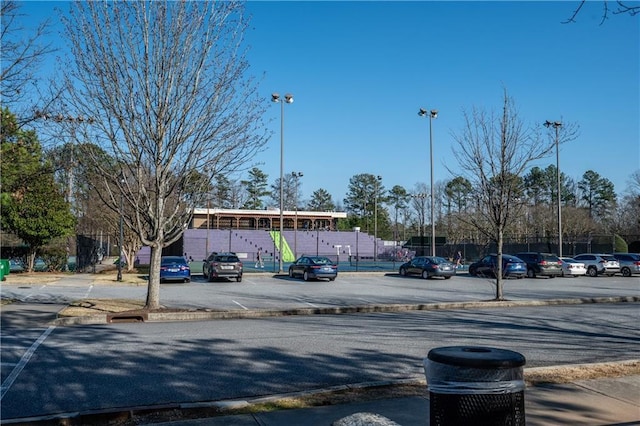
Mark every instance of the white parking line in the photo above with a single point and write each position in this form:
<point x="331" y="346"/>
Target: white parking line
<point x="86" y="295"/>
<point x="239" y="304"/>
<point x="42" y="287"/>
<point x="23" y="362"/>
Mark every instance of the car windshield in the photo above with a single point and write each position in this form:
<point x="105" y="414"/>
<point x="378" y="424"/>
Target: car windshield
<point x="609" y="258"/>
<point x="439" y="260"/>
<point x="321" y="260"/>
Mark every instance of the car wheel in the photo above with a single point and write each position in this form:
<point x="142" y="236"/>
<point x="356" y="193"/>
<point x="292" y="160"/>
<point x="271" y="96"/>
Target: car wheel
<point x="626" y="272"/>
<point x="210" y="277"/>
<point x="472" y="272"/>
<point x="592" y="271"/>
<point x="447" y="278"/>
<point x="290" y="273"/>
<point x="187" y="280"/>
<point x="332" y="279"/>
<point x="305" y="276"/>
<point x="551" y="276"/>
<point x="530" y="273"/>
<point x="425" y="275"/>
<point x="403" y="272"/>
<point x="238" y="279"/>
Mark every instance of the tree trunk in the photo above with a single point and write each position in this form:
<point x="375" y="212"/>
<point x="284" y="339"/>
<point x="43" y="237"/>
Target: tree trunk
<point x="153" y="290"/>
<point x="499" y="280"/>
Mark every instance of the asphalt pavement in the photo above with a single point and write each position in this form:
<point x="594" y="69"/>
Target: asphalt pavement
<point x="602" y="401"/>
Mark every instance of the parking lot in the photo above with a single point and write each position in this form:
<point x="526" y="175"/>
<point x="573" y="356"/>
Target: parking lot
<point x="269" y="291"/>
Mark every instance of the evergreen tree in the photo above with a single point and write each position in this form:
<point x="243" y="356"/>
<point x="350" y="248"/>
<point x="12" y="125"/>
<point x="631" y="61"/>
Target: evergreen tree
<point x="33" y="205"/>
<point x="256" y="187"/>
<point x="598" y="194"/>
<point x="321" y="201"/>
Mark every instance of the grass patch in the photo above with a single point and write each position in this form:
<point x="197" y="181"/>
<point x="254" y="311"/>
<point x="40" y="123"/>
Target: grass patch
<point x="88" y="307"/>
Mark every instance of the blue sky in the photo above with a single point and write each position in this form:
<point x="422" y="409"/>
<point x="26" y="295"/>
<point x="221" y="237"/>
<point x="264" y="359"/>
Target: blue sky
<point x="360" y="71"/>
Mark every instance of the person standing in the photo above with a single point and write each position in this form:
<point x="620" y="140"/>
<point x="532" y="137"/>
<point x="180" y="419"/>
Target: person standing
<point x="458" y="259"/>
<point x="259" y="259"/>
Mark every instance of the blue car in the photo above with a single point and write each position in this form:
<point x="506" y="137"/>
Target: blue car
<point x="174" y="268"/>
<point x="488" y="266"/>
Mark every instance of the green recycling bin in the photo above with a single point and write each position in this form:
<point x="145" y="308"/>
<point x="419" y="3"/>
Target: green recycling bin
<point x="4" y="269"/>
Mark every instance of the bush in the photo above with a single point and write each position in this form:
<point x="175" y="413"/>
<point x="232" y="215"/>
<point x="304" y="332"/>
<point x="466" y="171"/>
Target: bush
<point x="620" y="245"/>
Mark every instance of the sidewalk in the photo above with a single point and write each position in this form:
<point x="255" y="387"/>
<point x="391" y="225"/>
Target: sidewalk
<point x="606" y="401"/>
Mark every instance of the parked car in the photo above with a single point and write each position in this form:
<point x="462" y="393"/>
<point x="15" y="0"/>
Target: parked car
<point x="572" y="268"/>
<point x="512" y="266"/>
<point x="428" y="266"/>
<point x="174" y="268"/>
<point x="629" y="263"/>
<point x="16" y="265"/>
<point x="541" y="264"/>
<point x="599" y="264"/>
<point x="39" y="265"/>
<point x="314" y="267"/>
<point x="222" y="265"/>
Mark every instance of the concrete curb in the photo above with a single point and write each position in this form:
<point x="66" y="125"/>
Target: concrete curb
<point x="204" y="315"/>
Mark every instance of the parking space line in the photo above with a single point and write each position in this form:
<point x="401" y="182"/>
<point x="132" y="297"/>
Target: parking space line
<point x="239" y="304"/>
<point x="86" y="295"/>
<point x="23" y="361"/>
<point x="42" y="287"/>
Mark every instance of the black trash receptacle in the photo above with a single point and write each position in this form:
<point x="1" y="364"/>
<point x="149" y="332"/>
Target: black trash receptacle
<point x="475" y="385"/>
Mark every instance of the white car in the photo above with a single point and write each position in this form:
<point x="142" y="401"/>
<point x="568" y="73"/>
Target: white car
<point x="572" y="268"/>
<point x="599" y="264"/>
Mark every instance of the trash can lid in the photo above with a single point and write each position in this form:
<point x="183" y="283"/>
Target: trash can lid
<point x="476" y="357"/>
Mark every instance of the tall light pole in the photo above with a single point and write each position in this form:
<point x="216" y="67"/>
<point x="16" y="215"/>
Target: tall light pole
<point x="375" y="219"/>
<point x="296" y="176"/>
<point x="556" y="125"/>
<point x="288" y="98"/>
<point x="432" y="114"/>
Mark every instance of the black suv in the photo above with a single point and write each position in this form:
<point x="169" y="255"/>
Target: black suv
<point x="543" y="264"/>
<point x="222" y="265"/>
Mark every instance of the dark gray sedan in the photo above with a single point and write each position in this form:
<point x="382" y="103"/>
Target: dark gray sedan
<point x="428" y="266"/>
<point x="313" y="268"/>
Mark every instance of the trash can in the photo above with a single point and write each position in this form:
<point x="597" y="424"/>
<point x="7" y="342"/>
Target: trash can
<point x="475" y="385"/>
<point x="5" y="268"/>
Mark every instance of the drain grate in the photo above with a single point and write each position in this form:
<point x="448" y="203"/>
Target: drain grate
<point x="126" y="317"/>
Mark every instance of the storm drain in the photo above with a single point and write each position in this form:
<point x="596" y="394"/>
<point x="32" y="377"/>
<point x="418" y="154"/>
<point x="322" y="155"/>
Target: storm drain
<point x="127" y="317"/>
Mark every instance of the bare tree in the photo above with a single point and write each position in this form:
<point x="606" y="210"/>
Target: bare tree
<point x="494" y="151"/>
<point x="620" y="8"/>
<point x="165" y="87"/>
<point x="22" y="52"/>
<point x="633" y="183"/>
